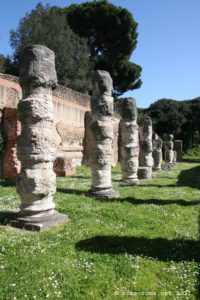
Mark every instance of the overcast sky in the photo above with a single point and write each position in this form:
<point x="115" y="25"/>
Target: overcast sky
<point x="168" y="43"/>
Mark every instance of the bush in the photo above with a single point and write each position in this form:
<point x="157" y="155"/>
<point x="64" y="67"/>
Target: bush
<point x="193" y="152"/>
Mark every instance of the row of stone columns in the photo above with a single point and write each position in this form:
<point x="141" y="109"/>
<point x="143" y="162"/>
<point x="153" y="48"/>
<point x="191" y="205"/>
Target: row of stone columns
<point x="36" y="147"/>
<point x="136" y="156"/>
<point x="139" y="156"/>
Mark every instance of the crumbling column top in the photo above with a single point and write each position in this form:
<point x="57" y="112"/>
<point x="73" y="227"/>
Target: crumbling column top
<point x="102" y="83"/>
<point x="37" y="67"/>
<point x="129" y="109"/>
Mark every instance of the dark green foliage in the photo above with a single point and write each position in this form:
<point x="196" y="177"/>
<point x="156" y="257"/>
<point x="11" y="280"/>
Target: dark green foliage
<point x="112" y="36"/>
<point x="2" y="63"/>
<point x="193" y="152"/>
<point x="109" y="31"/>
<point x="7" y="66"/>
<point x="181" y="118"/>
<point x="167" y="116"/>
<point x="141" y="113"/>
<point x="48" y="26"/>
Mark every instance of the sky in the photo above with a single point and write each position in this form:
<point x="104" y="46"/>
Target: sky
<point x="168" y="48"/>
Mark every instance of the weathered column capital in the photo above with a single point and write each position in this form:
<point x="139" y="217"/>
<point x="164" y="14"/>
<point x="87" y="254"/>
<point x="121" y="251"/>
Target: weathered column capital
<point x="129" y="110"/>
<point x="102" y="84"/>
<point x="37" y="68"/>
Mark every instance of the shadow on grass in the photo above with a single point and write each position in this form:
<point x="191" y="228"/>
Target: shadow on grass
<point x="164" y="176"/>
<point x="190" y="177"/>
<point x="117" y="180"/>
<point x="181" y="202"/>
<point x="159" y="248"/>
<point x="192" y="160"/>
<point x="7" y="183"/>
<point x="80" y="177"/>
<point x="157" y="185"/>
<point x="6" y="217"/>
<point x="71" y="191"/>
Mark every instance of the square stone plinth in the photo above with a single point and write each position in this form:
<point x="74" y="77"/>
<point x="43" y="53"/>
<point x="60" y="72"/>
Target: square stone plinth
<point x="130" y="182"/>
<point x="39" y="224"/>
<point x="103" y="193"/>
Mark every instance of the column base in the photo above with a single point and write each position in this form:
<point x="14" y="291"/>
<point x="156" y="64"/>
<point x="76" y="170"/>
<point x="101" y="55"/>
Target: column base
<point x="129" y="182"/>
<point x="154" y="169"/>
<point x="144" y="172"/>
<point x="167" y="166"/>
<point x="39" y="222"/>
<point x="103" y="193"/>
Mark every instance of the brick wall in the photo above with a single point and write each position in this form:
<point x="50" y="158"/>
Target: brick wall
<point x="69" y="110"/>
<point x="61" y="92"/>
<point x="69" y="113"/>
<point x="11" y="165"/>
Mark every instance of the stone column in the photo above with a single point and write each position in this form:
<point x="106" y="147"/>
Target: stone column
<point x="145" y="157"/>
<point x="157" y="155"/>
<point x="87" y="140"/>
<point x="130" y="142"/>
<point x="36" y="183"/>
<point x="169" y="153"/>
<point x="178" y="147"/>
<point x="175" y="157"/>
<point x="102" y="135"/>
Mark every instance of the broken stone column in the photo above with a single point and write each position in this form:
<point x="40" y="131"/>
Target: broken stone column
<point x="87" y="140"/>
<point x="157" y="155"/>
<point x="178" y="147"/>
<point x="175" y="157"/>
<point x="102" y="135"/>
<point x="36" y="183"/>
<point x="129" y="142"/>
<point x="145" y="157"/>
<point x="62" y="166"/>
<point x="169" y="153"/>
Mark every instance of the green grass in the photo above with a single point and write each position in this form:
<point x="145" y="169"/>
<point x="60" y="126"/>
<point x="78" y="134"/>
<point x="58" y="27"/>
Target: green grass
<point x="143" y="245"/>
<point x="193" y="153"/>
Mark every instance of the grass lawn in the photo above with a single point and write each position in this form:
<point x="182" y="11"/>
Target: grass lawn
<point x="143" y="245"/>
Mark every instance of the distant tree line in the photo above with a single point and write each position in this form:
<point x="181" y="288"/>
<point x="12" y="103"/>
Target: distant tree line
<point x="181" y="118"/>
<point x="98" y="35"/>
<point x="85" y="37"/>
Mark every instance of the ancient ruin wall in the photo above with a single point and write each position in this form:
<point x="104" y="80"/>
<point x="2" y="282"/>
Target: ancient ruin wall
<point x="69" y="110"/>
